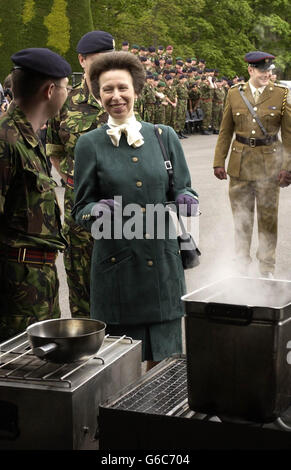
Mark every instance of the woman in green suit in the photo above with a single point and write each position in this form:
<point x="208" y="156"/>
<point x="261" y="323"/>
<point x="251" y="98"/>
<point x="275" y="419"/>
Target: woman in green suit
<point x="137" y="277"/>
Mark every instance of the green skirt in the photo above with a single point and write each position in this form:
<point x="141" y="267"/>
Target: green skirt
<point x="159" y="340"/>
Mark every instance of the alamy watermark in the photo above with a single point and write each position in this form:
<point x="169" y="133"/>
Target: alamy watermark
<point x="133" y="221"/>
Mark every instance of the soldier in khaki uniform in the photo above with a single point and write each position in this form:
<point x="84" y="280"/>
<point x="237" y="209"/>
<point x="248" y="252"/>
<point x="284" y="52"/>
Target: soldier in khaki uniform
<point x="81" y="113"/>
<point x="258" y="164"/>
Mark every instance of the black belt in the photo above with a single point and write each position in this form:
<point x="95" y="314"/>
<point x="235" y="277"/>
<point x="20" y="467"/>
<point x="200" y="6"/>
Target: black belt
<point x="254" y="142"/>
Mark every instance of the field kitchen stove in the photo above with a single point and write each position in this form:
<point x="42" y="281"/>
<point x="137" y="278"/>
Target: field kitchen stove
<point x="154" y="413"/>
<point x="55" y="406"/>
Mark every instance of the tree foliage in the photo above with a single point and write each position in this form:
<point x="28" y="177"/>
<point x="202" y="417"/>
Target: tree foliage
<point x="220" y="31"/>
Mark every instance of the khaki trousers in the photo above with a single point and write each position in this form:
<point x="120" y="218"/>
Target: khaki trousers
<point x="243" y="197"/>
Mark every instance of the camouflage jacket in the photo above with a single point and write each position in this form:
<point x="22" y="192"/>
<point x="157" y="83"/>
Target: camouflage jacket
<point x="80" y="114"/>
<point x="171" y="93"/>
<point x="148" y="95"/>
<point x="182" y="92"/>
<point x="218" y="95"/>
<point x="29" y="212"/>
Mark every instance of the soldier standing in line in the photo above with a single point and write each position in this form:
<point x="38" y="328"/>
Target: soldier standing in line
<point x="171" y="98"/>
<point x="160" y="52"/>
<point x="152" y="53"/>
<point x="169" y="52"/>
<point x="161" y="104"/>
<point x="81" y="113"/>
<point x="181" y="110"/>
<point x="217" y="106"/>
<point x="194" y="97"/>
<point x="134" y="49"/>
<point x="30" y="224"/>
<point x="259" y="164"/>
<point x="148" y="99"/>
<point x="206" y="105"/>
<point x="125" y="46"/>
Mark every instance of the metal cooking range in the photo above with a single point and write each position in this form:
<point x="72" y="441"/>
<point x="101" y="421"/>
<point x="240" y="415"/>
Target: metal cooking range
<point x="44" y="405"/>
<point x="153" y="413"/>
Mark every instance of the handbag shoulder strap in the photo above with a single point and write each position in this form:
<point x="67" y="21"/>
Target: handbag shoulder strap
<point x="168" y="163"/>
<point x="252" y="111"/>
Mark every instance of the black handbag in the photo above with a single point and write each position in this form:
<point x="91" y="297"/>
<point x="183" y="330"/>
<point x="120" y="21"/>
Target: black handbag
<point x="188" y="249"/>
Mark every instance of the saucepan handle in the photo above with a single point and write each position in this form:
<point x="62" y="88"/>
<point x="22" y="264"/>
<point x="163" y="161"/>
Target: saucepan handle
<point x="42" y="351"/>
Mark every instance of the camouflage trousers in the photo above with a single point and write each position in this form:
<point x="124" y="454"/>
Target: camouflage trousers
<point x="160" y="114"/>
<point x="170" y="116"/>
<point x="181" y="115"/>
<point x="28" y="294"/>
<point x="207" y="109"/>
<point x="149" y="113"/>
<point x="243" y="197"/>
<point x="217" y="112"/>
<point x="77" y="261"/>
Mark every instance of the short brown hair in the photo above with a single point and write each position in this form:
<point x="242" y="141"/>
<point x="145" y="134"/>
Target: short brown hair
<point x="118" y="60"/>
<point x="26" y="83"/>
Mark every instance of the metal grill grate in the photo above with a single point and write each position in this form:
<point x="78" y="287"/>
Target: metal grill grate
<point x="19" y="364"/>
<point x="160" y="394"/>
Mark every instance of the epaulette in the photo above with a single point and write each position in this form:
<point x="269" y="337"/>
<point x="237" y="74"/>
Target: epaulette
<point x="280" y="85"/>
<point x="237" y="84"/>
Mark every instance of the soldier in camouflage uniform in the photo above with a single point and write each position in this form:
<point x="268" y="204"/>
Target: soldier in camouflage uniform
<point x="171" y="98"/>
<point x="206" y="105"/>
<point x="148" y="98"/>
<point x="80" y="114"/>
<point x="161" y="104"/>
<point x="183" y="95"/>
<point x="30" y="225"/>
<point x="217" y="106"/>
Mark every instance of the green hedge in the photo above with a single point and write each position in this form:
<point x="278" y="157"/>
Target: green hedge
<point x="11" y="33"/>
<point x="56" y="24"/>
<point x="81" y="23"/>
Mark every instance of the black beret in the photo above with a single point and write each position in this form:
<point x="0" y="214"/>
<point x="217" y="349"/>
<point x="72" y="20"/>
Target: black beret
<point x="168" y="77"/>
<point x="125" y="43"/>
<point x="43" y="61"/>
<point x="179" y="62"/>
<point x="160" y="48"/>
<point x="152" y="49"/>
<point x="202" y="61"/>
<point x="95" y="41"/>
<point x="149" y="75"/>
<point x="259" y="59"/>
<point x="181" y="76"/>
<point x="143" y="58"/>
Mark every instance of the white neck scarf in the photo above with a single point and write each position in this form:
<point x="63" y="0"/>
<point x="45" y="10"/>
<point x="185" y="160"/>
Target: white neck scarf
<point x="130" y="127"/>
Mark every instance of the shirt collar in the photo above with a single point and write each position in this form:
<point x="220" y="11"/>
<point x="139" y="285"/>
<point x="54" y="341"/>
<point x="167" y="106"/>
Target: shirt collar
<point x="253" y="89"/>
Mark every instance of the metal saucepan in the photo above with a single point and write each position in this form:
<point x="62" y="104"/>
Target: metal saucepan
<point x="66" y="339"/>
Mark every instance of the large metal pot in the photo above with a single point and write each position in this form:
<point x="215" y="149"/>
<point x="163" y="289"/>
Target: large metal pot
<point x="66" y="339"/>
